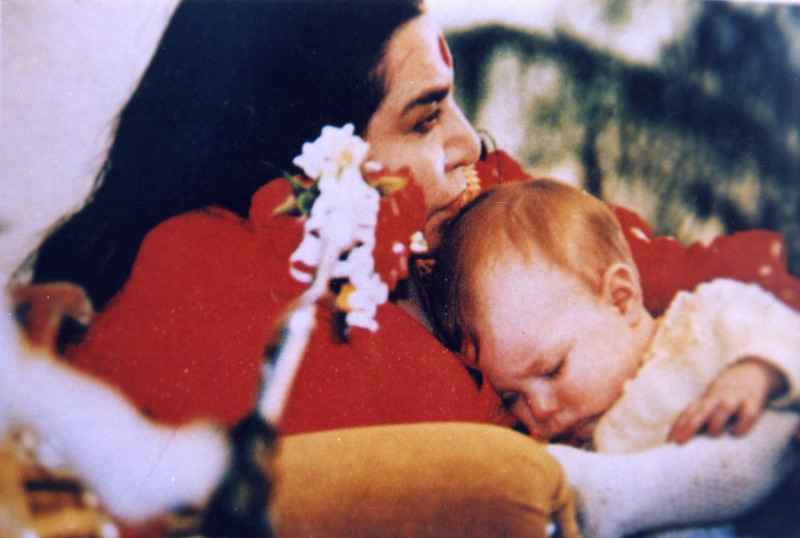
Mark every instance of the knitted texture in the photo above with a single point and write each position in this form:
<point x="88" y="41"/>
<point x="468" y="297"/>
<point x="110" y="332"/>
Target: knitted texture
<point x="700" y="335"/>
<point x="657" y="486"/>
<point x="705" y="481"/>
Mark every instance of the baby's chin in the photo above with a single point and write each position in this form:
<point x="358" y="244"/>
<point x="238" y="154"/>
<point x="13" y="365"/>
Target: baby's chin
<point x="579" y="434"/>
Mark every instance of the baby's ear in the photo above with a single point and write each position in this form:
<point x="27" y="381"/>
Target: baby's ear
<point x="622" y="290"/>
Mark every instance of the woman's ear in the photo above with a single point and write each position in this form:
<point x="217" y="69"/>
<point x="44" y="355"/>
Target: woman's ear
<point x="468" y="353"/>
<point x="622" y="290"/>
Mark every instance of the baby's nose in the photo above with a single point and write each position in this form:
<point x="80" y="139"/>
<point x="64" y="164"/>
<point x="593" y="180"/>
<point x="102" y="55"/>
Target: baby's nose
<point x="542" y="406"/>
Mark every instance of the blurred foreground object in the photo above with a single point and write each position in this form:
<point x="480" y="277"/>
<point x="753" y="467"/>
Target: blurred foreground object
<point x="42" y="502"/>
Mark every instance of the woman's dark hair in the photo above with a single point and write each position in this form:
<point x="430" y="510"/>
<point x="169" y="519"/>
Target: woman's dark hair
<point x="232" y="92"/>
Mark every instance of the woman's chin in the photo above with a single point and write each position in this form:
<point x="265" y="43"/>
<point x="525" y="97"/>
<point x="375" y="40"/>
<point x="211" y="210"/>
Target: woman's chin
<point x="433" y="229"/>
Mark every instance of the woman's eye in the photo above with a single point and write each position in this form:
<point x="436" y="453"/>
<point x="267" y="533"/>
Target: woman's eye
<point x="427" y="123"/>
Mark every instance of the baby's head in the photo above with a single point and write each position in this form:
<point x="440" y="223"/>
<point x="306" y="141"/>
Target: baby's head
<point x="535" y="286"/>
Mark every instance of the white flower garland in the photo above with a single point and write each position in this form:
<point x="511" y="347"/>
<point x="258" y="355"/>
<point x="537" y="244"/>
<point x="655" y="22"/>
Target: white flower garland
<point x="338" y="242"/>
<point x="342" y="222"/>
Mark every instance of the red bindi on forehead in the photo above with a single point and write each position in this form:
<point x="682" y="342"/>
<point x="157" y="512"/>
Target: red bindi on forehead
<point x="445" y="52"/>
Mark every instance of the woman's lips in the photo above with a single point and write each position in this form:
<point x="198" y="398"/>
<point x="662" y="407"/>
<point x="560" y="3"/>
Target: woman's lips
<point x="439" y="217"/>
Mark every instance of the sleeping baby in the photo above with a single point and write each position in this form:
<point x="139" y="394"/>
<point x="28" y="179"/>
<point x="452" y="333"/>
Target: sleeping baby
<point x="534" y="285"/>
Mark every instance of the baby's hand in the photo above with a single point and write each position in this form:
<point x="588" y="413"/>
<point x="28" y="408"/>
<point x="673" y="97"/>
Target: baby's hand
<point x="736" y="397"/>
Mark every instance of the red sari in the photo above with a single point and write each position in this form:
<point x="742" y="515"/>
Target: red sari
<point x="185" y="337"/>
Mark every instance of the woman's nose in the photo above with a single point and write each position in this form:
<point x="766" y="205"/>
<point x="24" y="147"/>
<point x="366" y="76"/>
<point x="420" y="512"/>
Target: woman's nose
<point x="463" y="144"/>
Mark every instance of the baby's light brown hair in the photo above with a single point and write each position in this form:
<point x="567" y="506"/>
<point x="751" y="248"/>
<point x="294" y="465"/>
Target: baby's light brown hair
<point x="539" y="219"/>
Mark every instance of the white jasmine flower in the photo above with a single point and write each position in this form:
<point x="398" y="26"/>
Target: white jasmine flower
<point x="418" y="244"/>
<point x="335" y="150"/>
<point x="372" y="166"/>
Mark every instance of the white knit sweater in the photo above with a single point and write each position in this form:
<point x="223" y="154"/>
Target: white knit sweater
<point x="700" y="335"/>
<point x="647" y="484"/>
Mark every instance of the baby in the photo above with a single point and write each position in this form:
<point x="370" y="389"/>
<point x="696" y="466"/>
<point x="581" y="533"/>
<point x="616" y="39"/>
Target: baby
<point x="535" y="286"/>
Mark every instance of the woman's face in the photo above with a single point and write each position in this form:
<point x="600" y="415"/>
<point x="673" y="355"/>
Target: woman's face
<point x="418" y="125"/>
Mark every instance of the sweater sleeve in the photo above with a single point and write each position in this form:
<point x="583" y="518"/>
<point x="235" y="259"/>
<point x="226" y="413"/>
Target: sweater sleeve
<point x="707" y="480"/>
<point x="751" y="322"/>
<point x="700" y="335"/>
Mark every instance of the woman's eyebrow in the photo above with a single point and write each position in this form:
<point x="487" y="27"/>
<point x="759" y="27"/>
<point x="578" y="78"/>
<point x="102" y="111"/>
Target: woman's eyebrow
<point x="433" y="96"/>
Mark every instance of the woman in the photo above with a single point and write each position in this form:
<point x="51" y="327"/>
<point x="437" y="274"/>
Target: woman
<point x="231" y="94"/>
<point x="227" y="101"/>
<point x="218" y="277"/>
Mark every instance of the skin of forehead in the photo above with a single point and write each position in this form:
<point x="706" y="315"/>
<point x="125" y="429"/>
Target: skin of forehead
<point x="426" y="41"/>
<point x="528" y="313"/>
<point x="504" y="258"/>
<point x="512" y="270"/>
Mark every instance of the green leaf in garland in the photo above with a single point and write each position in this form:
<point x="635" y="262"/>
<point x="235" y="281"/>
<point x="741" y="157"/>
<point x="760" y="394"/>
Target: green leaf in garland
<point x="305" y="200"/>
<point x="305" y="192"/>
<point x="298" y="183"/>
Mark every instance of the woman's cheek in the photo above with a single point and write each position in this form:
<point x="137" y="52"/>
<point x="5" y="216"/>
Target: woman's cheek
<point x="436" y="196"/>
